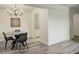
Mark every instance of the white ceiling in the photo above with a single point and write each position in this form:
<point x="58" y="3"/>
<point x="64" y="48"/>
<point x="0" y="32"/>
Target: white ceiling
<point x="32" y="6"/>
<point x="68" y="5"/>
<point x="26" y="6"/>
<point x="52" y="5"/>
<point x="75" y="7"/>
<point x="11" y="6"/>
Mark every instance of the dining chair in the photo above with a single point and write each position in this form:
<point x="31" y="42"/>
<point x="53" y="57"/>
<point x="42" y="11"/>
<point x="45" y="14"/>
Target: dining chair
<point x="22" y="40"/>
<point x="7" y="39"/>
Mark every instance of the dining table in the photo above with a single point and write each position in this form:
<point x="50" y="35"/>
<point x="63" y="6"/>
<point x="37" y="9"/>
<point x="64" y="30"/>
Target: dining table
<point x="15" y="35"/>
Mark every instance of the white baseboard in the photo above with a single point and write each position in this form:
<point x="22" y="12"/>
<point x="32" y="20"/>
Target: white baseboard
<point x="43" y="42"/>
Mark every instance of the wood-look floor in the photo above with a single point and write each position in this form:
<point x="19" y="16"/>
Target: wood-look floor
<point x="36" y="47"/>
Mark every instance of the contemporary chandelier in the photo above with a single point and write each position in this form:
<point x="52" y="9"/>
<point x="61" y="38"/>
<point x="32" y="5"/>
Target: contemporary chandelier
<point x="15" y="11"/>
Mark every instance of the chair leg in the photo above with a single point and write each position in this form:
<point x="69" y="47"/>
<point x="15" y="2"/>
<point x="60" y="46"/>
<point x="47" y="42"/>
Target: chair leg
<point x="26" y="44"/>
<point x="13" y="45"/>
<point x="19" y="47"/>
<point x="5" y="45"/>
<point x="16" y="44"/>
<point x="23" y="44"/>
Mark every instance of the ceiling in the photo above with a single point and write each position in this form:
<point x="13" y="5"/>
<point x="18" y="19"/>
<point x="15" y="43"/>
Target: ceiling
<point x="32" y="6"/>
<point x="52" y="5"/>
<point x="57" y="6"/>
<point x="19" y="6"/>
<point x="68" y="5"/>
<point x="76" y="7"/>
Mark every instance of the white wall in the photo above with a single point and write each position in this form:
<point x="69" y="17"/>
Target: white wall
<point x="43" y="22"/>
<point x="5" y="22"/>
<point x="58" y="25"/>
<point x="34" y="32"/>
<point x="72" y="12"/>
<point x="43" y="25"/>
<point x="76" y="24"/>
<point x="54" y="25"/>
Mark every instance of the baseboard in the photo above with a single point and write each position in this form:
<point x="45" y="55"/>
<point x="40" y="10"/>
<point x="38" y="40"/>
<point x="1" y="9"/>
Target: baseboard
<point x="58" y="42"/>
<point x="34" y="37"/>
<point x="44" y="42"/>
<point x="37" y="37"/>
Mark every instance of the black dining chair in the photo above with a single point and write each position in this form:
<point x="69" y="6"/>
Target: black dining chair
<point x="7" y="39"/>
<point x="22" y="40"/>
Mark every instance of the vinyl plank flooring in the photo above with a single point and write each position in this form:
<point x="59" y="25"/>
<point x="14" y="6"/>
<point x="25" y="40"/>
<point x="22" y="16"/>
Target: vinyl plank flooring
<point x="36" y="47"/>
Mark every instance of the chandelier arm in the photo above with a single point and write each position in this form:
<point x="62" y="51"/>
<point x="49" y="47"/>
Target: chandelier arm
<point x="15" y="11"/>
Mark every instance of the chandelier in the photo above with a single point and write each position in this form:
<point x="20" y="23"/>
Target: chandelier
<point x="15" y="11"/>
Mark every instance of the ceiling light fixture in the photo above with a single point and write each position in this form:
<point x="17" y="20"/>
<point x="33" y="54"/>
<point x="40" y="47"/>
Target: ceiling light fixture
<point x="15" y="11"/>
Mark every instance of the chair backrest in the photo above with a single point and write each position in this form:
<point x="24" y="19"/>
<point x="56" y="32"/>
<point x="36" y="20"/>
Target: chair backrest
<point x="23" y="37"/>
<point x="4" y="36"/>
